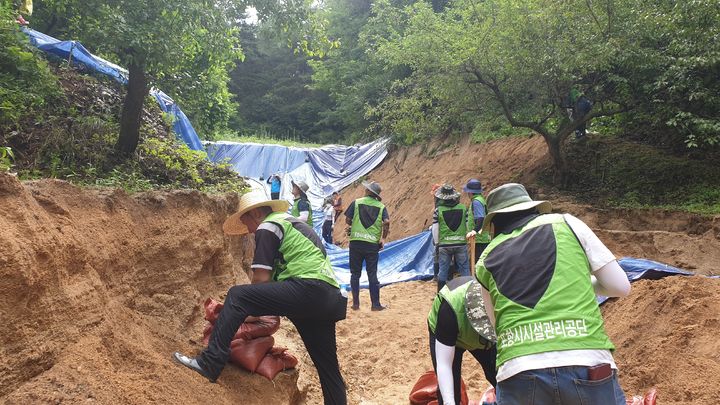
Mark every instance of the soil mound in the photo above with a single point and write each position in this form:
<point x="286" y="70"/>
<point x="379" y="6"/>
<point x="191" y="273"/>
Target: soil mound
<point x="688" y="241"/>
<point x="99" y="288"/>
<point x="665" y="335"/>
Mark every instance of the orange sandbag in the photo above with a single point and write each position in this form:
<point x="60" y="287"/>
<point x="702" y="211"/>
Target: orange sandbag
<point x="277" y="360"/>
<point x="207" y="330"/>
<point x="212" y="310"/>
<point x="649" y="398"/>
<point x="249" y="353"/>
<point x="424" y="392"/>
<point x="255" y="327"/>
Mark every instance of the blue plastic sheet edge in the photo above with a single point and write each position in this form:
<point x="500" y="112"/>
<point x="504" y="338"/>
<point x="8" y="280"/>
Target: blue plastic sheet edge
<point x="644" y="269"/>
<point x="84" y="60"/>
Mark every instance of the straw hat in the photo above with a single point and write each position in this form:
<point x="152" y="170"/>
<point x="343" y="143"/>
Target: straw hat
<point x="250" y="201"/>
<point x="511" y="197"/>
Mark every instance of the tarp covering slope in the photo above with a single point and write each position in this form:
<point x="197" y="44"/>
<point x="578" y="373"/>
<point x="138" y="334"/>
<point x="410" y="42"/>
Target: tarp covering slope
<point x="325" y="169"/>
<point x="80" y="57"/>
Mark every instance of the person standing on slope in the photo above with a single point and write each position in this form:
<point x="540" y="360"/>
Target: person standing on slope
<point x="369" y="226"/>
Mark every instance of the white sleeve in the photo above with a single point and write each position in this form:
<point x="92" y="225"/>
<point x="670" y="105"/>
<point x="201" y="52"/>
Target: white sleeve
<point x="597" y="253"/>
<point x="303" y="216"/>
<point x="444" y="356"/>
<point x="611" y="281"/>
<point x="435" y="229"/>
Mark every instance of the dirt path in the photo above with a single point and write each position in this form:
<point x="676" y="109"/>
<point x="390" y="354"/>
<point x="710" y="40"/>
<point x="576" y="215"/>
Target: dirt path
<point x="100" y="287"/>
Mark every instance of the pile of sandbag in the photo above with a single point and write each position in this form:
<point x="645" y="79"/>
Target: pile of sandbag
<point x="424" y="392"/>
<point x="252" y="347"/>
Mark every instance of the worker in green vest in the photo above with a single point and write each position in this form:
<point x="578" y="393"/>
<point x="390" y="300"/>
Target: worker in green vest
<point x="541" y="273"/>
<point x="292" y="277"/>
<point x="369" y="226"/>
<point x="457" y="322"/>
<point x="301" y="205"/>
<point x="478" y="208"/>
<point x="449" y="228"/>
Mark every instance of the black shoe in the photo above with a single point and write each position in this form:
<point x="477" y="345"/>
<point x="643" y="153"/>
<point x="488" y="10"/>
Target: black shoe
<point x="378" y="308"/>
<point x="355" y="307"/>
<point x="192" y="364"/>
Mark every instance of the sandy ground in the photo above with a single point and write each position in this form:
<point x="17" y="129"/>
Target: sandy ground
<point x="99" y="288"/>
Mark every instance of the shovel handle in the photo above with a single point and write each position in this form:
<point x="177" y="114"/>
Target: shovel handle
<point x="472" y="253"/>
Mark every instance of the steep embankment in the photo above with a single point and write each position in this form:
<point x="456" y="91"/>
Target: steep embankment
<point x="690" y="241"/>
<point x="99" y="288"/>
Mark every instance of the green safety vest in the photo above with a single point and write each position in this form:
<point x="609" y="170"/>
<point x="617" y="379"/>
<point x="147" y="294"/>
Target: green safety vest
<point x="483" y="237"/>
<point x="296" y="211"/>
<point x="447" y="236"/>
<point x="373" y="233"/>
<point x="565" y="316"/>
<point x="300" y="257"/>
<point x="454" y="294"/>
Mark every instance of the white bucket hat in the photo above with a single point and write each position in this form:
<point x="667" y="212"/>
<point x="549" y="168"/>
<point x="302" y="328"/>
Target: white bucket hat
<point x="250" y="201"/>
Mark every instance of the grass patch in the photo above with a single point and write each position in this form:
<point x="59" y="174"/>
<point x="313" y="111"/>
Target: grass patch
<point x="266" y="138"/>
<point x="626" y="174"/>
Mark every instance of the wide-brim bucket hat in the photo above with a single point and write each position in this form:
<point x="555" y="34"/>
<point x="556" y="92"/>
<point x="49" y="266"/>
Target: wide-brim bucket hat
<point x="475" y="310"/>
<point x="447" y="192"/>
<point x="473" y="186"/>
<point x="301" y="185"/>
<point x="250" y="201"/>
<point x="511" y="197"/>
<point x="373" y="186"/>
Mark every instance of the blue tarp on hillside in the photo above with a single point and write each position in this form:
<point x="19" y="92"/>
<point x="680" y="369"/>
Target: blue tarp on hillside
<point x="81" y="58"/>
<point x="326" y="169"/>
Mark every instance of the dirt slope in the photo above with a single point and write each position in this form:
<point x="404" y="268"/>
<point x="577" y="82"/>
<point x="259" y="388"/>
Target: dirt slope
<point x="686" y="240"/>
<point x="100" y="288"/>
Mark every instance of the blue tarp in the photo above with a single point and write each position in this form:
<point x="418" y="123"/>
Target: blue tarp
<point x="326" y="169"/>
<point x="406" y="259"/>
<point x="76" y="53"/>
<point x="644" y="269"/>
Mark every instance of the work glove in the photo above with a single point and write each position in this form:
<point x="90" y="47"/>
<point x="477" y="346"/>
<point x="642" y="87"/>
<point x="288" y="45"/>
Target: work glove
<point x="470" y="235"/>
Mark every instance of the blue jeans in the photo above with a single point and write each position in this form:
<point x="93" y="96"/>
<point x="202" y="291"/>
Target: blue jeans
<point x="446" y="253"/>
<point x="559" y="386"/>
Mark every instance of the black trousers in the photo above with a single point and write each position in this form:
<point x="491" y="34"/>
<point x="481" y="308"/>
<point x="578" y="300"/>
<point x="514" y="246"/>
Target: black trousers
<point x="368" y="253"/>
<point x="327" y="230"/>
<point x="313" y="306"/>
<point x="275" y="196"/>
<point x="479" y="247"/>
<point x="486" y="358"/>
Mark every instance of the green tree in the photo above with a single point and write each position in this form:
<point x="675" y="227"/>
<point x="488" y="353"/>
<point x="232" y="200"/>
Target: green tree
<point x="191" y="44"/>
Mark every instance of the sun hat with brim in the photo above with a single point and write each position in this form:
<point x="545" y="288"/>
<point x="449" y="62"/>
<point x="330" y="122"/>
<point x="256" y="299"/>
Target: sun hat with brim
<point x="473" y="186"/>
<point x="301" y="185"/>
<point x="373" y="186"/>
<point x="475" y="310"/>
<point x="250" y="201"/>
<point x="511" y="197"/>
<point x="447" y="192"/>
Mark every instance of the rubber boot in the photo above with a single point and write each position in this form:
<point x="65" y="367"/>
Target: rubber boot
<point x="355" y="287"/>
<point x="375" y="297"/>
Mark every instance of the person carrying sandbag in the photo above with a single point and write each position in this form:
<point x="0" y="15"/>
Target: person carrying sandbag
<point x="540" y="274"/>
<point x="292" y="277"/>
<point x="457" y="323"/>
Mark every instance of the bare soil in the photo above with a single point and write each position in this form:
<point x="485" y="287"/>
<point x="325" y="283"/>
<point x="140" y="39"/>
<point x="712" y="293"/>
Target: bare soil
<point x="99" y="288"/>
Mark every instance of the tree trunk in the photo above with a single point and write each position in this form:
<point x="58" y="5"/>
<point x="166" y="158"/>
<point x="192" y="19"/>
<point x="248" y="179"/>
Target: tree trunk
<point x="130" y="119"/>
<point x="559" y="164"/>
